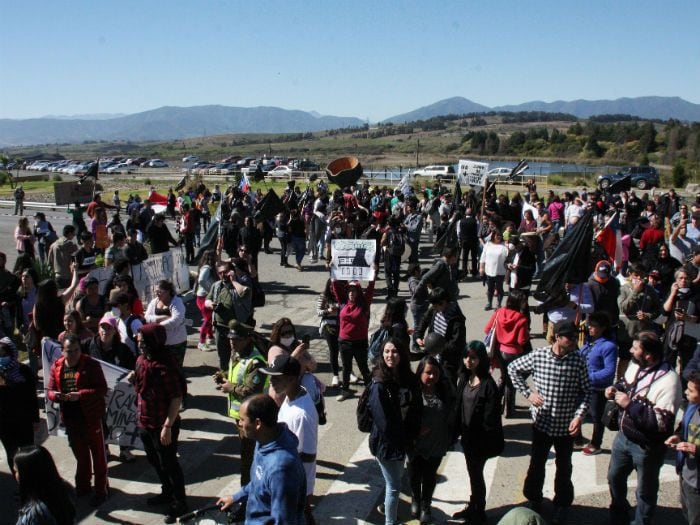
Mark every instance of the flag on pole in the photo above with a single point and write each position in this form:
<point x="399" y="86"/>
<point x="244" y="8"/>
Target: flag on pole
<point x="404" y="185"/>
<point x="244" y="185"/>
<point x="610" y="239"/>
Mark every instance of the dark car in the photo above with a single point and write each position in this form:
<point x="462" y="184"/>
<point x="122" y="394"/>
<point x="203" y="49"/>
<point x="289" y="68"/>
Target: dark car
<point x="643" y="177"/>
<point x="307" y="165"/>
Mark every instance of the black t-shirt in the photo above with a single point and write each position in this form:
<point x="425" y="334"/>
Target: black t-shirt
<point x="70" y="409"/>
<point x="85" y="259"/>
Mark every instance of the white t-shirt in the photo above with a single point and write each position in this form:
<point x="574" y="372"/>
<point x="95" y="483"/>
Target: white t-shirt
<point x="494" y="258"/>
<point x="301" y="418"/>
<point x="136" y="325"/>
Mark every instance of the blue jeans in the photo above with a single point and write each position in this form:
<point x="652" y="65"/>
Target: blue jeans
<point x="392" y="471"/>
<point x="299" y="245"/>
<point x="625" y="457"/>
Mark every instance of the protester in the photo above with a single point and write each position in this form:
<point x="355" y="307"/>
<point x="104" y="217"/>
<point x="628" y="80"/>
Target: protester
<point x="60" y="255"/>
<point x="278" y="493"/>
<point x="24" y="238"/>
<point x="78" y="384"/>
<point x="168" y="310"/>
<point x="206" y="276"/>
<point x="395" y="403"/>
<point x="492" y="267"/>
<point x="284" y="341"/>
<point x="478" y="422"/>
<point x="327" y="308"/>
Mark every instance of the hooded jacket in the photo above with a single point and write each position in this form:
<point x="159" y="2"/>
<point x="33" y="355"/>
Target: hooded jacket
<point x="512" y="332"/>
<point x="60" y="257"/>
<point x="276" y="494"/>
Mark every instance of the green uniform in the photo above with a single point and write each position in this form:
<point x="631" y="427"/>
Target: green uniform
<point x="244" y="373"/>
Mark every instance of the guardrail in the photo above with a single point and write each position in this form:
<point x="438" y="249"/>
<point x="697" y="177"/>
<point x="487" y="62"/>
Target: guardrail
<point x="38" y="205"/>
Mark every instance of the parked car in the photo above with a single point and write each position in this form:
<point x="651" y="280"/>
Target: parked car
<point x="643" y="177"/>
<point x="307" y="165"/>
<point x="137" y="161"/>
<point x="155" y="163"/>
<point x="435" y="170"/>
<point x="190" y="158"/>
<point x="122" y="167"/>
<point x="284" y="171"/>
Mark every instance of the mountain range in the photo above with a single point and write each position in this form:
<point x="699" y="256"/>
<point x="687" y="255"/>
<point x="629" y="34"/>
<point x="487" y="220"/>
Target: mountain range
<point x="171" y="123"/>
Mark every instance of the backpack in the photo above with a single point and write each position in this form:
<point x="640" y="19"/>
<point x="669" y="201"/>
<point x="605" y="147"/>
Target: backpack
<point x="129" y="331"/>
<point x="363" y="413"/>
<point x="396" y="243"/>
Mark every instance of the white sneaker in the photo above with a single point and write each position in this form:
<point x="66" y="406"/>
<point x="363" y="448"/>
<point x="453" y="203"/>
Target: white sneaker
<point x="354" y="379"/>
<point x="344" y="394"/>
<point x="335" y="381"/>
<point x="203" y="347"/>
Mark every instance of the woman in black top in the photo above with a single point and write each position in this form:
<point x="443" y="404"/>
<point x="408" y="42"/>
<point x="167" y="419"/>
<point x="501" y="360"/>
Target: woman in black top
<point x="478" y="417"/>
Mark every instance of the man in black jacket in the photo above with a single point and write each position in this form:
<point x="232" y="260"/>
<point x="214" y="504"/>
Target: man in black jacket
<point x="159" y="235"/>
<point x="468" y="235"/>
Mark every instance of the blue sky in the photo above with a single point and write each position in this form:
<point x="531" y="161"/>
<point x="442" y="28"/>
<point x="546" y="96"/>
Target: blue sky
<point x="368" y="59"/>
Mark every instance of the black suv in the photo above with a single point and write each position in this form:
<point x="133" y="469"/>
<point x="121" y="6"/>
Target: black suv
<point x="643" y="177"/>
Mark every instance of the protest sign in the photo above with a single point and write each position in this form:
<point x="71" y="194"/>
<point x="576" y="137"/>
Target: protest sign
<point x="472" y="173"/>
<point x="170" y="266"/>
<point x="104" y="278"/>
<point x="121" y="415"/>
<point x="353" y="259"/>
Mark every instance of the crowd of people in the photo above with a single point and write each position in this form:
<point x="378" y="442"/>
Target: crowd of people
<point x="622" y="342"/>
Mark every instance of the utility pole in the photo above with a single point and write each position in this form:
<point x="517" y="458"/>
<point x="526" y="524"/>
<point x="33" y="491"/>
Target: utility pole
<point x="417" y="150"/>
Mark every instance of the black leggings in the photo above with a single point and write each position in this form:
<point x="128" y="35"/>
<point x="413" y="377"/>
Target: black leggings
<point x="358" y="350"/>
<point x="475" y="468"/>
<point x="333" y="349"/>
<point x="422" y="474"/>
<point x="163" y="458"/>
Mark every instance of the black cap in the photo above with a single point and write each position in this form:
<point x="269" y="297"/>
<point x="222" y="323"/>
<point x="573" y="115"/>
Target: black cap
<point x="565" y="328"/>
<point x="283" y="365"/>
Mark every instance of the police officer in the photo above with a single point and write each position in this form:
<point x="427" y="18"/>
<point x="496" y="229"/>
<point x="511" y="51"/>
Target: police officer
<point x="244" y="379"/>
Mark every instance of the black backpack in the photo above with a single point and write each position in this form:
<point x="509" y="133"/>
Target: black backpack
<point x="363" y="413"/>
<point x="397" y="243"/>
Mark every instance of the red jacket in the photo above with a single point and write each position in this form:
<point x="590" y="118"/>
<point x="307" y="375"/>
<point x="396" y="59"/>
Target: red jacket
<point x="354" y="320"/>
<point x="511" y="330"/>
<point x="90" y="382"/>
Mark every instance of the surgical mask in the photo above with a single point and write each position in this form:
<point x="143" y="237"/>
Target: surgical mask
<point x="4" y="361"/>
<point x="683" y="290"/>
<point x="116" y="313"/>
<point x="287" y="341"/>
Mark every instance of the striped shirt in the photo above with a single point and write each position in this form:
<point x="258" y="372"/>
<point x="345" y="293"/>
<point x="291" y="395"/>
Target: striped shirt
<point x="563" y="383"/>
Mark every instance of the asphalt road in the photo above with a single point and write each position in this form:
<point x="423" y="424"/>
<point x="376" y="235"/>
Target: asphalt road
<point x="349" y="484"/>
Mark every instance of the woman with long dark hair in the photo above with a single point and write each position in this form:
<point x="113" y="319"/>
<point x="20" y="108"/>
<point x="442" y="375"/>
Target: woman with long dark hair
<point x="434" y="438"/>
<point x="395" y="404"/>
<point x="45" y="497"/>
<point x="478" y="414"/>
<point x="327" y="309"/>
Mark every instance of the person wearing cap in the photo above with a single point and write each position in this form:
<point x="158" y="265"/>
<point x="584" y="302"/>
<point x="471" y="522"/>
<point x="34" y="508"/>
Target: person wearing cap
<point x="299" y="413"/>
<point x="558" y="404"/>
<point x="277" y="493"/>
<point x="19" y="200"/>
<point x="639" y="303"/>
<point x="353" y="332"/>
<point x="605" y="289"/>
<point x="243" y="380"/>
<point x="107" y="345"/>
<point x="78" y="384"/>
<point x="445" y="318"/>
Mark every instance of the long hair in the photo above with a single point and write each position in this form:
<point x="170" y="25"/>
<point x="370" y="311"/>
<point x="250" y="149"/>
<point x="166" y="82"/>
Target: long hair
<point x="277" y="328"/>
<point x="479" y="349"/>
<point x="443" y="388"/>
<point x="401" y="373"/>
<point x="209" y="258"/>
<point x="39" y="481"/>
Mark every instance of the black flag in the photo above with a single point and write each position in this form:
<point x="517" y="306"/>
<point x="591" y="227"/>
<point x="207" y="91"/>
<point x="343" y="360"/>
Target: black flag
<point x="458" y="193"/>
<point x="92" y="172"/>
<point x="624" y="184"/>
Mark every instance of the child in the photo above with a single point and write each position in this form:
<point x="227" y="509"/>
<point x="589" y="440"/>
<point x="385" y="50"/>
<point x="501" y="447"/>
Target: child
<point x="687" y="444"/>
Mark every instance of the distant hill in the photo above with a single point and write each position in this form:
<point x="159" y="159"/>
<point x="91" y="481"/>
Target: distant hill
<point x="449" y="106"/>
<point x="645" y="107"/>
<point x="168" y="123"/>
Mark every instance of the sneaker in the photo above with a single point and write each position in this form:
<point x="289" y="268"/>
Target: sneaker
<point x="354" y="379"/>
<point x="590" y="450"/>
<point x="176" y="510"/>
<point x="126" y="456"/>
<point x="203" y="347"/>
<point x="559" y="516"/>
<point x="335" y="381"/>
<point x="344" y="394"/>
<point x="298" y="266"/>
<point x="160" y="499"/>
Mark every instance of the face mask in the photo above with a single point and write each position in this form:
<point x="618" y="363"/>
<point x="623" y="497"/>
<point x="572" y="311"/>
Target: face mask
<point x="286" y="341"/>
<point x="4" y="361"/>
<point x="683" y="290"/>
<point x="116" y="312"/>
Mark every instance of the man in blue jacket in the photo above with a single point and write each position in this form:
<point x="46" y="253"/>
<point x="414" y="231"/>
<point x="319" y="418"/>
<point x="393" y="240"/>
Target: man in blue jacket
<point x="600" y="353"/>
<point x="276" y="493"/>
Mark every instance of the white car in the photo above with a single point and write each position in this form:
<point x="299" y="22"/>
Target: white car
<point x="281" y="170"/>
<point x="122" y="167"/>
<point x="190" y="158"/>
<point x="156" y="163"/>
<point x="435" y="170"/>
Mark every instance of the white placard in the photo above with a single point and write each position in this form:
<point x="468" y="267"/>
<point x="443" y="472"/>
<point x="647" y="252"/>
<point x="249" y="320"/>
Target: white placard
<point x="170" y="266"/>
<point x="472" y="173"/>
<point x="353" y="259"/>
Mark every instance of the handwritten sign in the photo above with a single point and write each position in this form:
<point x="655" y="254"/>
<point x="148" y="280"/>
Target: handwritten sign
<point x="472" y="173"/>
<point x="353" y="259"/>
<point x="170" y="266"/>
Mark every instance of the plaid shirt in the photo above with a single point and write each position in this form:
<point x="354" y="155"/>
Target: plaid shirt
<point x="561" y="381"/>
<point x="156" y="385"/>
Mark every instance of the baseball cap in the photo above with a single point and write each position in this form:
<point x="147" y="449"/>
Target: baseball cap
<point x="602" y="271"/>
<point x="283" y="365"/>
<point x="238" y="329"/>
<point x="110" y="320"/>
<point x="565" y="328"/>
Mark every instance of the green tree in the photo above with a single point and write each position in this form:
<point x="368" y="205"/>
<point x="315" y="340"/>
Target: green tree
<point x="679" y="175"/>
<point x="647" y="139"/>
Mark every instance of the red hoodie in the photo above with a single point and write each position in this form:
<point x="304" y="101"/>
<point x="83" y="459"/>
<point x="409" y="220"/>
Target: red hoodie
<point x="511" y="330"/>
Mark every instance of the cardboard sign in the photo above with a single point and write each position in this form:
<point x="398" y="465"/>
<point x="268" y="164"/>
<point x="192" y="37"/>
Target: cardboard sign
<point x="170" y="266"/>
<point x="472" y="173"/>
<point x="72" y="192"/>
<point x="353" y="259"/>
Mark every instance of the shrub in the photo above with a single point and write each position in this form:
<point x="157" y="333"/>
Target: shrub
<point x="4" y="178"/>
<point x="147" y="181"/>
<point x="555" y="180"/>
<point x="57" y="178"/>
<point x="679" y="175"/>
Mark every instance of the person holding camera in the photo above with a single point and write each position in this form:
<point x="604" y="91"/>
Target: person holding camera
<point x="242" y="381"/>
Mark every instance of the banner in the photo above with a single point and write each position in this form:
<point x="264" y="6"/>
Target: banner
<point x="170" y="266"/>
<point x="121" y="417"/>
<point x="472" y="173"/>
<point x="103" y="275"/>
<point x="353" y="259"/>
<point x="72" y="192"/>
